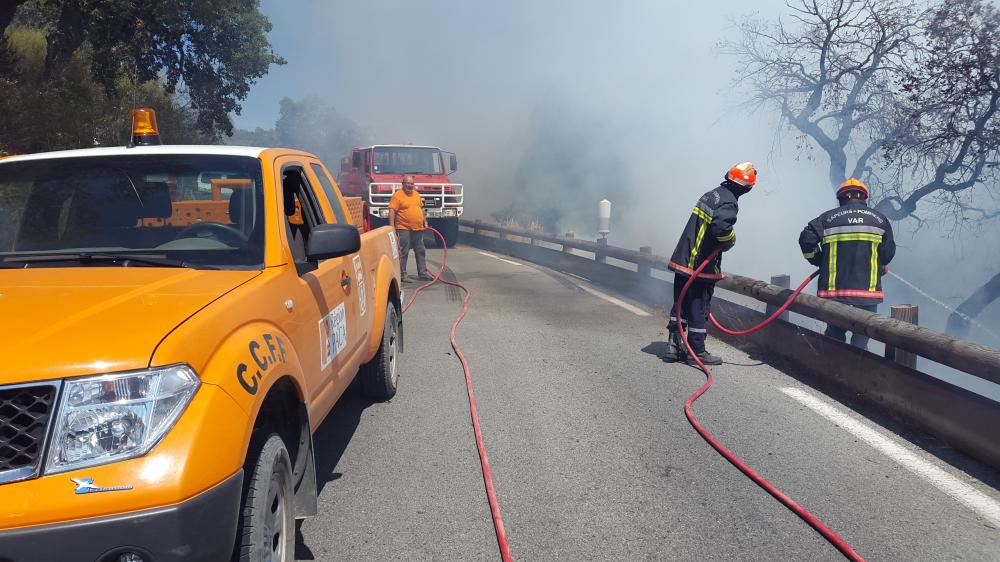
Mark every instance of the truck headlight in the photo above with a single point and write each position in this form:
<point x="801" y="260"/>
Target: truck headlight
<point x="109" y="418"/>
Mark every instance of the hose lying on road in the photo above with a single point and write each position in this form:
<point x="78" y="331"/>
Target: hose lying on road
<point x="480" y="444"/>
<point x="809" y="518"/>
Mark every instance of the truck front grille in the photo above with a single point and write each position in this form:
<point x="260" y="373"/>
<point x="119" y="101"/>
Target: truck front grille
<point x="431" y="202"/>
<point x="25" y="411"/>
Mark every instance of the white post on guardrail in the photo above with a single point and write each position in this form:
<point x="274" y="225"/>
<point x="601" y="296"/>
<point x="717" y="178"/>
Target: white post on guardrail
<point x="785" y="282"/>
<point x="906" y="313"/>
<point x="604" y="218"/>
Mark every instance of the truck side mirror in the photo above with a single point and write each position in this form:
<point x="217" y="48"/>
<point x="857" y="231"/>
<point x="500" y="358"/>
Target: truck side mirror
<point x="356" y="160"/>
<point x="328" y="241"/>
<point x="453" y="162"/>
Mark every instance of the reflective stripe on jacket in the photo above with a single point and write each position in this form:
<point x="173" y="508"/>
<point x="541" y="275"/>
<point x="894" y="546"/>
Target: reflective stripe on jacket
<point x="710" y="224"/>
<point x="851" y="245"/>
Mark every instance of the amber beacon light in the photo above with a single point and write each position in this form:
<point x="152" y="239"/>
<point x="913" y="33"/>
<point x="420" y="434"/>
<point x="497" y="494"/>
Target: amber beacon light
<point x="144" y="129"/>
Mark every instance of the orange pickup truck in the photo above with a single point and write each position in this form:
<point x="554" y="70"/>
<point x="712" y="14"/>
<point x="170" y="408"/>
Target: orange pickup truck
<point x="177" y="321"/>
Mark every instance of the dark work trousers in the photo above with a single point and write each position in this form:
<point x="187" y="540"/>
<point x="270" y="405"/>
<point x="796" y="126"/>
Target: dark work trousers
<point x="412" y="239"/>
<point x="857" y="340"/>
<point x="697" y="306"/>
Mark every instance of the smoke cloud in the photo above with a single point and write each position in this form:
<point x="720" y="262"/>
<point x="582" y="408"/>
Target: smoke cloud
<point x="552" y="106"/>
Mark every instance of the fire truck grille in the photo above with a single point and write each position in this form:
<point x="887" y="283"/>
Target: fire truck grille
<point x="24" y="417"/>
<point x="432" y="202"/>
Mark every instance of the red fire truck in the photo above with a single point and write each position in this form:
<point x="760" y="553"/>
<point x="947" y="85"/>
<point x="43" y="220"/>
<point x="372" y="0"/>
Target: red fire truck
<point x="374" y="173"/>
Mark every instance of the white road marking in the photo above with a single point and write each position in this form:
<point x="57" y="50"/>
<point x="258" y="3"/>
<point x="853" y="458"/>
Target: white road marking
<point x="982" y="504"/>
<point x="501" y="259"/>
<point x="633" y="309"/>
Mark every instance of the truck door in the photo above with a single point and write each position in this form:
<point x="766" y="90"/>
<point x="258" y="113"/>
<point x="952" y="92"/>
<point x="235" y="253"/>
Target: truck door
<point x="350" y="173"/>
<point x="359" y="292"/>
<point x="321" y="309"/>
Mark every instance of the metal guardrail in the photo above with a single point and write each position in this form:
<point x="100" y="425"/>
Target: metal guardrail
<point x="963" y="355"/>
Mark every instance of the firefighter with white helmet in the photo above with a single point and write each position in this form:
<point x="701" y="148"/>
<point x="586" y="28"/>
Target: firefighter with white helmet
<point x="710" y="226"/>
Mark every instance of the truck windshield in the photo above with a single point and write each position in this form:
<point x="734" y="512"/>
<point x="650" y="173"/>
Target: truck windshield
<point x="134" y="211"/>
<point x="407" y="160"/>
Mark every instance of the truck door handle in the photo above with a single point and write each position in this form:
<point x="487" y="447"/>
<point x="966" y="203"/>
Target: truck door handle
<point x="345" y="281"/>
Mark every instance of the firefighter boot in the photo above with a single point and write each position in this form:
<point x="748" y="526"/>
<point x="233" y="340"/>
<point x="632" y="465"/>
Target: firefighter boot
<point x="706" y="358"/>
<point x="675" y="348"/>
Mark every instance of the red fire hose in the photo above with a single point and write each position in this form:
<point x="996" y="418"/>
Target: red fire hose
<point x="771" y="318"/>
<point x="474" y="411"/>
<point x="809" y="518"/>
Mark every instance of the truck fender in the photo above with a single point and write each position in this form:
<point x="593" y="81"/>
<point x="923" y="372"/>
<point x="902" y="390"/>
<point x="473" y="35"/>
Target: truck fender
<point x="249" y="362"/>
<point x="253" y="361"/>
<point x="386" y="291"/>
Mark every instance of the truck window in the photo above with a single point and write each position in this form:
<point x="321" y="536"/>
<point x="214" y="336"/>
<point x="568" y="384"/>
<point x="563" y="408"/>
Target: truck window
<point x="407" y="160"/>
<point x="299" y="198"/>
<point x="331" y="193"/>
<point x="149" y="205"/>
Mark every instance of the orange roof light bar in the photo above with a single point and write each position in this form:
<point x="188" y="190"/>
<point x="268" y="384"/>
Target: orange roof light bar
<point x="144" y="128"/>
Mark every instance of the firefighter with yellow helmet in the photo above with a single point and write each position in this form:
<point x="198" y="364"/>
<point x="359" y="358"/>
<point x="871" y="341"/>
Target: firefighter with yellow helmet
<point x="852" y="245"/>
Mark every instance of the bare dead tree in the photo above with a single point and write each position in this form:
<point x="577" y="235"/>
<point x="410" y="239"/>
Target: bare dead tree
<point x="904" y="94"/>
<point x="832" y="71"/>
<point x="949" y="124"/>
<point x="897" y="92"/>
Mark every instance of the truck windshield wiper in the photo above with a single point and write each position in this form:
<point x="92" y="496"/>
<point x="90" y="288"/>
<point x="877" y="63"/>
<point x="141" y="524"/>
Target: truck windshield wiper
<point x="25" y="260"/>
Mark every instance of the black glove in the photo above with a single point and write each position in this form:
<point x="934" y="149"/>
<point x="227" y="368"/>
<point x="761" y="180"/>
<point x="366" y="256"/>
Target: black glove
<point x="726" y="246"/>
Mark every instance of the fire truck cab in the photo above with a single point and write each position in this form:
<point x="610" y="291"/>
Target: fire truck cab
<point x="375" y="172"/>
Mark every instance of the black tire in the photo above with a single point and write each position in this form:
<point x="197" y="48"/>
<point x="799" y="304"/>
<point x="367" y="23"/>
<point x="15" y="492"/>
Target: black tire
<point x="267" y="523"/>
<point x="380" y="376"/>
<point x="449" y="229"/>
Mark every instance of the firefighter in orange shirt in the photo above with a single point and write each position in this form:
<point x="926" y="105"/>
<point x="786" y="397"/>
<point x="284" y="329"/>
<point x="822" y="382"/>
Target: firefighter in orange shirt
<point x="406" y="215"/>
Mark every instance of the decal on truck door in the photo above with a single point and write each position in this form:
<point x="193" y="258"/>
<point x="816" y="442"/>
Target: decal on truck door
<point x="332" y="335"/>
<point x="395" y="244"/>
<point x="359" y="274"/>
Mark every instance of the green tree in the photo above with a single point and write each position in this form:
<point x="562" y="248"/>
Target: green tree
<point x="210" y="50"/>
<point x="69" y="110"/>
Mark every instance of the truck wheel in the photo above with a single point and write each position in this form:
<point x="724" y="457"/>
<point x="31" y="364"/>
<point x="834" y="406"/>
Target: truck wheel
<point x="267" y="525"/>
<point x="380" y="375"/>
<point x="449" y="229"/>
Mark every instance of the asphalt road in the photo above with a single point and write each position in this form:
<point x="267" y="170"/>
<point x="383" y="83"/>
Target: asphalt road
<point x="593" y="458"/>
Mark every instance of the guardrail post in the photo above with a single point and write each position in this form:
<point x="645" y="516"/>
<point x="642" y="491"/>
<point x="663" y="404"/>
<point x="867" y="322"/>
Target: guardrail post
<point x="644" y="270"/>
<point x="906" y="313"/>
<point x="785" y="282"/>
<point x="475" y="229"/>
<point x="599" y="256"/>
<point x="566" y="248"/>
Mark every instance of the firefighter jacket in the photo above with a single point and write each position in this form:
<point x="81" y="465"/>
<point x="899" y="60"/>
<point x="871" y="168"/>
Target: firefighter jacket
<point x="851" y="245"/>
<point x="709" y="226"/>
